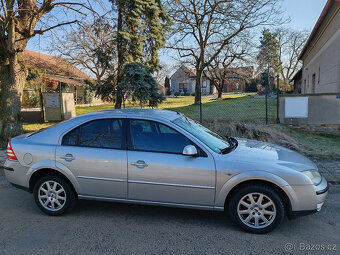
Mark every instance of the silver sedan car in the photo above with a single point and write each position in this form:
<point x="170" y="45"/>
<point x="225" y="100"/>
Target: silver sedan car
<point x="160" y="157"/>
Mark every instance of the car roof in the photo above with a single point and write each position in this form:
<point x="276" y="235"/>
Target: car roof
<point x="47" y="136"/>
<point x="164" y="114"/>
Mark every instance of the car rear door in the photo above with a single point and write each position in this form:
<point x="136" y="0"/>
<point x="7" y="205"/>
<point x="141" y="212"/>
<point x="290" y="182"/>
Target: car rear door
<point x="158" y="172"/>
<point x="95" y="153"/>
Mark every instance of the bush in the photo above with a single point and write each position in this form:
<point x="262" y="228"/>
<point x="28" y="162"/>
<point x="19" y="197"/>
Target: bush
<point x="193" y="94"/>
<point x="251" y="87"/>
<point x="177" y="94"/>
<point x="89" y="90"/>
<point x="30" y="99"/>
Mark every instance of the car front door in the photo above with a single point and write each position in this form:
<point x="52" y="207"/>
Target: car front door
<point x="158" y="172"/>
<point x="95" y="153"/>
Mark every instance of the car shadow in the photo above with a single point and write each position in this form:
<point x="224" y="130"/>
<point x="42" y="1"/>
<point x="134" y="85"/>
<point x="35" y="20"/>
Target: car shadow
<point x="149" y="212"/>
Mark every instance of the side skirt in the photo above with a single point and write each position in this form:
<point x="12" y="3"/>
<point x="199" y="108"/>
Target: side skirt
<point x="142" y="202"/>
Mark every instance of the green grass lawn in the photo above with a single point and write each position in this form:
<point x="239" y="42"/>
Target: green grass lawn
<point x="169" y="103"/>
<point x="243" y="107"/>
<point x="314" y="144"/>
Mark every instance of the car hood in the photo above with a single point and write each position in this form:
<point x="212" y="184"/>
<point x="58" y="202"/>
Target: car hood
<point x="263" y="153"/>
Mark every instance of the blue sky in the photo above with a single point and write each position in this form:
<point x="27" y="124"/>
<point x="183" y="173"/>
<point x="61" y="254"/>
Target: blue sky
<point x="303" y="14"/>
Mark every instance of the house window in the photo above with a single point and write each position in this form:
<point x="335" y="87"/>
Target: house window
<point x="319" y="75"/>
<point x="236" y="86"/>
<point x="308" y="82"/>
<point x="313" y="83"/>
<point x="183" y="86"/>
<point x="204" y="84"/>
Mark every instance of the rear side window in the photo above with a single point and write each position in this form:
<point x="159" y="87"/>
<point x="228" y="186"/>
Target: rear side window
<point x="104" y="133"/>
<point x="71" y="138"/>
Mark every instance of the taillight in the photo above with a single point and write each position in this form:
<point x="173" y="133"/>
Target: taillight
<point x="10" y="152"/>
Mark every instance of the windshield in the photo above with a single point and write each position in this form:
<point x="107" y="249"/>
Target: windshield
<point x="209" y="138"/>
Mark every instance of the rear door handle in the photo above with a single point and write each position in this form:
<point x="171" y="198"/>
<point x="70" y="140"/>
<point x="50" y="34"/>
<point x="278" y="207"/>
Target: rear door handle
<point x="68" y="157"/>
<point x="140" y="164"/>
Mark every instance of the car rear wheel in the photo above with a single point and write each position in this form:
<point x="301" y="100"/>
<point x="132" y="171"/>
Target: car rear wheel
<point x="257" y="209"/>
<point x="53" y="195"/>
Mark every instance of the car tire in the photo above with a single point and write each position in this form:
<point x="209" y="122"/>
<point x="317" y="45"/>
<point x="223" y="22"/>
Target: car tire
<point x="53" y="195"/>
<point x="257" y="208"/>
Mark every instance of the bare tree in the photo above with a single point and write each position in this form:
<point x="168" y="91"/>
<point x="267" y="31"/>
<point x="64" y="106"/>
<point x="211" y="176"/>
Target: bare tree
<point x="291" y="43"/>
<point x="18" y="22"/>
<point x="203" y="26"/>
<point x="162" y="73"/>
<point x="91" y="46"/>
<point x="219" y="70"/>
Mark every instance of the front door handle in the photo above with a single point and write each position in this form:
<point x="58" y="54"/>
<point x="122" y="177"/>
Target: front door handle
<point x="139" y="164"/>
<point x="68" y="157"/>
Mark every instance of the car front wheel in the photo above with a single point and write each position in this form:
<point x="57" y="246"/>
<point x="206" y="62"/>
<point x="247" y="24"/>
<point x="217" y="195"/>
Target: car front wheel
<point x="256" y="208"/>
<point x="53" y="195"/>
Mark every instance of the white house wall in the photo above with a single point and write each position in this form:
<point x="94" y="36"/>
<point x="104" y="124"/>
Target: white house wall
<point x="182" y="76"/>
<point x="324" y="61"/>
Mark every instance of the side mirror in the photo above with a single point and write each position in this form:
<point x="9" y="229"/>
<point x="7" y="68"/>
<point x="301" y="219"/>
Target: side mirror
<point x="190" y="150"/>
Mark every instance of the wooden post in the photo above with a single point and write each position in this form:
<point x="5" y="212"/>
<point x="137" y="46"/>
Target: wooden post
<point x="42" y="106"/>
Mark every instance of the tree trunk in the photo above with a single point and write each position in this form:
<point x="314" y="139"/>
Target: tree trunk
<point x="198" y="86"/>
<point x="12" y="81"/>
<point x="219" y="95"/>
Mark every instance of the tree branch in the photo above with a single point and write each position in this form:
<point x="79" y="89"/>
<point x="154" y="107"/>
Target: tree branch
<point x="40" y="31"/>
<point x="68" y="4"/>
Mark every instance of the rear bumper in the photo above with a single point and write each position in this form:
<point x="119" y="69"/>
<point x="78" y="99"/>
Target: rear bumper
<point x="15" y="173"/>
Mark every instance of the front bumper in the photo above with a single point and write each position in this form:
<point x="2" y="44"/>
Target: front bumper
<point x="321" y="193"/>
<point x="317" y="199"/>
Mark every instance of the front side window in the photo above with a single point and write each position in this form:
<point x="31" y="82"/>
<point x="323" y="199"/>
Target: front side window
<point x="103" y="133"/>
<point x="156" y="137"/>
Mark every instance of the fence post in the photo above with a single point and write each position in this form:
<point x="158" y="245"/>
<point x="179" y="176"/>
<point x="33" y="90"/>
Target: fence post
<point x="277" y="98"/>
<point x="42" y="106"/>
<point x="200" y="89"/>
<point x="267" y="86"/>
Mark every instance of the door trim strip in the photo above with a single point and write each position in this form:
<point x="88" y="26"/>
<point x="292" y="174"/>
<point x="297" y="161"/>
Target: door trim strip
<point x="172" y="184"/>
<point x="100" y="178"/>
<point x="144" y="202"/>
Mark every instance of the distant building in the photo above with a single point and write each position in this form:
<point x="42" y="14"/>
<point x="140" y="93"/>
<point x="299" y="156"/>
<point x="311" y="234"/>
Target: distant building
<point x="236" y="79"/>
<point x="321" y="54"/>
<point x="184" y="81"/>
<point x="60" y="70"/>
<point x="297" y="80"/>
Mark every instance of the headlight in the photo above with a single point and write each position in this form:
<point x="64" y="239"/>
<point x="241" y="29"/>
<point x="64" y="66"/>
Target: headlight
<point x="313" y="175"/>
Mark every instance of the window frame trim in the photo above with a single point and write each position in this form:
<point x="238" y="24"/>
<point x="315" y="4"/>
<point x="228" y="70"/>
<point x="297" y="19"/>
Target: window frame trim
<point x="201" y="152"/>
<point x="124" y="134"/>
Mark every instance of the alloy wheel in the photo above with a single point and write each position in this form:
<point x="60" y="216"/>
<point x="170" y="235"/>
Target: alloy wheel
<point x="52" y="196"/>
<point x="256" y="210"/>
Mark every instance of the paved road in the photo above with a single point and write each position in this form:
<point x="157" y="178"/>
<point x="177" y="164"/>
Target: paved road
<point x="109" y="228"/>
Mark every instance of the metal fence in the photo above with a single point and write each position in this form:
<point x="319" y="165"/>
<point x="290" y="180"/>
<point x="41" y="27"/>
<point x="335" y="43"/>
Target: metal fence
<point x="236" y="107"/>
